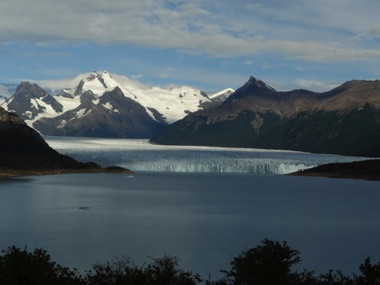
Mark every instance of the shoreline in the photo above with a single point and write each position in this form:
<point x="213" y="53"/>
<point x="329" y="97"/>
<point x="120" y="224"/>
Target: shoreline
<point x="32" y="172"/>
<point x="365" y="170"/>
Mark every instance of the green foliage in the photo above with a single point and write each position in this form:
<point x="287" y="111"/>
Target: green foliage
<point x="270" y="263"/>
<point x="163" y="271"/>
<point x="119" y="272"/>
<point x="370" y="273"/>
<point x="334" y="278"/>
<point x="266" y="264"/>
<point x="20" y="267"/>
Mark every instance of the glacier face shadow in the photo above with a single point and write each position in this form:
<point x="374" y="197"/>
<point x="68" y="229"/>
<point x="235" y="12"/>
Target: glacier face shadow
<point x="140" y="155"/>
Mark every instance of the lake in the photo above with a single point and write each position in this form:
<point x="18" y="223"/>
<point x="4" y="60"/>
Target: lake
<point x="205" y="219"/>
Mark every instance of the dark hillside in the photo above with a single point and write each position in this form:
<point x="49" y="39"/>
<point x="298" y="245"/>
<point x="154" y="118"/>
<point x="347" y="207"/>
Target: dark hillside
<point x="345" y="120"/>
<point x="367" y="169"/>
<point x="23" y="151"/>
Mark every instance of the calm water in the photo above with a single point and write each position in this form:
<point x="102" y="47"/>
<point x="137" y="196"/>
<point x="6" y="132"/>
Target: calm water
<point x="204" y="219"/>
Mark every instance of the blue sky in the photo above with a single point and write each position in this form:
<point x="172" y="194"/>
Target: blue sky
<point x="208" y="44"/>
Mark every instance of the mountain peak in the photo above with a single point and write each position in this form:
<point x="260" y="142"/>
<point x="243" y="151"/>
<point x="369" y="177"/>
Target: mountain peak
<point x="24" y="85"/>
<point x="32" y="90"/>
<point x="95" y="75"/>
<point x="252" y="79"/>
<point x="98" y="82"/>
<point x="254" y="82"/>
<point x="252" y="87"/>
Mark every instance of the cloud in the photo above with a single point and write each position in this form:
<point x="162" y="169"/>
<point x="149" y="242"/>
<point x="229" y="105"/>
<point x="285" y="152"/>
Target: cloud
<point x="266" y="65"/>
<point x="48" y="54"/>
<point x="314" y="85"/>
<point x="137" y="76"/>
<point x="59" y="84"/>
<point x="315" y="30"/>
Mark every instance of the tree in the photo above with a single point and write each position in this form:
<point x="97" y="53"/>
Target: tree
<point x="266" y="264"/>
<point x="334" y="278"/>
<point x="122" y="271"/>
<point x="370" y="273"/>
<point x="21" y="267"/>
<point x="163" y="271"/>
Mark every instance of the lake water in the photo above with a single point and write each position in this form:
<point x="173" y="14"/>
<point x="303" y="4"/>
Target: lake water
<point x="205" y="219"/>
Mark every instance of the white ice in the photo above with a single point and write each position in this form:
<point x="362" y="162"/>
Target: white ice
<point x="140" y="155"/>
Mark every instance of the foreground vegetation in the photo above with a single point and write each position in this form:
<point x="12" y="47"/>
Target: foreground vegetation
<point x="270" y="263"/>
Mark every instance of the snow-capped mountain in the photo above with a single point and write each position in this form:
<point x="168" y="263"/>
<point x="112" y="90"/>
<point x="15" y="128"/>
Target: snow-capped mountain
<point x="31" y="102"/>
<point x="109" y="115"/>
<point x="170" y="104"/>
<point x="221" y="96"/>
<point x="103" y="106"/>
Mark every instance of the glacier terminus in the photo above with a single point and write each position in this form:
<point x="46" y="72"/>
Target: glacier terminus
<point x="140" y="155"/>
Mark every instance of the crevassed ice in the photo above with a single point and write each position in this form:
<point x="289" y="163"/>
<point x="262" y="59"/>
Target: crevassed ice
<point x="206" y="165"/>
<point x="139" y="155"/>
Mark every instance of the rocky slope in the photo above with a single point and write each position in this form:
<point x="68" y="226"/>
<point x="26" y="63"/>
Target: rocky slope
<point x="23" y="151"/>
<point x="345" y="120"/>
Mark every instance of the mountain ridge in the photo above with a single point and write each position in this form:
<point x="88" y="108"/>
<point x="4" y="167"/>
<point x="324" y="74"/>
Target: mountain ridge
<point x="66" y="113"/>
<point x="345" y="120"/>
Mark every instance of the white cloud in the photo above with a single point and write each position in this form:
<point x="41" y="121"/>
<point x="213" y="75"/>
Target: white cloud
<point x="314" y="85"/>
<point x="314" y="30"/>
<point x="266" y="66"/>
<point x="59" y="84"/>
<point x="125" y="80"/>
<point x="137" y="76"/>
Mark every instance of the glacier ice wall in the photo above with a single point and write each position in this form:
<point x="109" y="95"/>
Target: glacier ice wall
<point x="140" y="155"/>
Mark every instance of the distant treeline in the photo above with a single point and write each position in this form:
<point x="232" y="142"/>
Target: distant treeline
<point x="270" y="263"/>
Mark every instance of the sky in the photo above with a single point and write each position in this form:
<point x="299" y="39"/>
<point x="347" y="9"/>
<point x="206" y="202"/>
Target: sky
<point x="207" y="44"/>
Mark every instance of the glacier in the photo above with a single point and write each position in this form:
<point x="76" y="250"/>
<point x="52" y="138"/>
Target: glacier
<point x="140" y="155"/>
